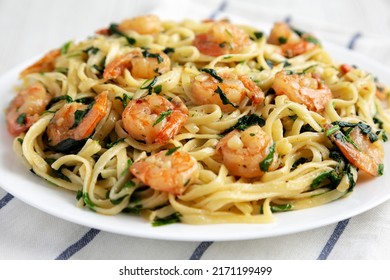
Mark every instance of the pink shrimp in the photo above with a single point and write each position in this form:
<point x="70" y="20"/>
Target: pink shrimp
<point x="154" y="119"/>
<point x="166" y="171"/>
<point x="243" y="151"/>
<point x="64" y="125"/>
<point x="204" y="90"/>
<point x="145" y="64"/>
<point x="222" y="38"/>
<point x="304" y="89"/>
<point x="25" y="109"/>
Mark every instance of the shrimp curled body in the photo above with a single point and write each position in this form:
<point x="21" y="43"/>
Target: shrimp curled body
<point x="64" y="126"/>
<point x="360" y="152"/>
<point x="204" y="90"/>
<point x="167" y="172"/>
<point x="291" y="44"/>
<point x="243" y="151"/>
<point x="307" y="90"/>
<point x="154" y="119"/>
<point x="222" y="38"/>
<point x="143" y="65"/>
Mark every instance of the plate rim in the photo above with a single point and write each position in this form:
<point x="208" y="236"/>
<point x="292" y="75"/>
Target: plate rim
<point x="251" y="231"/>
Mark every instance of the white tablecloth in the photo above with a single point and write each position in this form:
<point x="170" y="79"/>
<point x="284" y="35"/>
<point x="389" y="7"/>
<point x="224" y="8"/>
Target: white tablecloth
<point x="31" y="27"/>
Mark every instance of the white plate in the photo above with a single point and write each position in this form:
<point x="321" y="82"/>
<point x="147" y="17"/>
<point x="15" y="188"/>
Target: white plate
<point x="34" y="191"/>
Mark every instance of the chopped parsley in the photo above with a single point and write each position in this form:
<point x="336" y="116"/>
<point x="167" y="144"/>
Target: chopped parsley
<point x="114" y="30"/>
<point x="311" y="39"/>
<point x="212" y="73"/>
<point x="265" y="164"/>
<point x="380" y="169"/>
<point x="224" y="98"/>
<point x="78" y="117"/>
<point x="91" y="50"/>
<point x="149" y="86"/>
<point x="258" y="34"/>
<point x="21" y="119"/>
<point x="157" y="89"/>
<point x="147" y="54"/>
<point x="112" y="144"/>
<point x="124" y="99"/>
<point x="168" y="50"/>
<point x="163" y="115"/>
<point x="320" y="179"/>
<point x="282" y="40"/>
<point x="67" y="98"/>
<point x="246" y="121"/>
<point x="281" y="208"/>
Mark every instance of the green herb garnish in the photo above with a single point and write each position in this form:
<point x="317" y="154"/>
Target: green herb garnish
<point x="114" y="29"/>
<point x="157" y="89"/>
<point x="212" y="73"/>
<point x="147" y="54"/>
<point x="171" y="151"/>
<point x="168" y="50"/>
<point x="124" y="99"/>
<point x="311" y="39"/>
<point x="224" y="98"/>
<point x="112" y="144"/>
<point x="380" y="169"/>
<point x="265" y="164"/>
<point x="149" y="86"/>
<point x="258" y="34"/>
<point x="174" y="218"/>
<point x="282" y="40"/>
<point x="246" y="121"/>
<point x="281" y="208"/>
<point x="65" y="47"/>
<point x="163" y="115"/>
<point x="21" y="119"/>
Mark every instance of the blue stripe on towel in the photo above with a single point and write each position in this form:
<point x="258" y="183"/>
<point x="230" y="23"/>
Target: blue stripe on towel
<point x="338" y="231"/>
<point x="220" y="8"/>
<point x="352" y="41"/>
<point x="4" y="201"/>
<point x="287" y="19"/>
<point x="80" y="244"/>
<point x="199" y="251"/>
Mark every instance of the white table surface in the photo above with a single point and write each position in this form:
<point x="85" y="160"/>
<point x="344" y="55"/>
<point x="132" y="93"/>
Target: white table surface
<point x="28" y="28"/>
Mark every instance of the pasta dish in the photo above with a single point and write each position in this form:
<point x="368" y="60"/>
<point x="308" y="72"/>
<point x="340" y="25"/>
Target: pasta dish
<point x="199" y="122"/>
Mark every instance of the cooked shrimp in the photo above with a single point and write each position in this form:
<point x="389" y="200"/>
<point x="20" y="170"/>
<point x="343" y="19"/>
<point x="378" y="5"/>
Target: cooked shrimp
<point x="290" y="42"/>
<point x="167" y="172"/>
<point x="142" y="64"/>
<point x="222" y="38"/>
<point x="154" y="119"/>
<point x="45" y="64"/>
<point x="25" y="109"/>
<point x="359" y="151"/>
<point x="305" y="89"/>
<point x="248" y="153"/>
<point x="293" y="49"/>
<point x="149" y="24"/>
<point x="282" y="33"/>
<point x="77" y="121"/>
<point x="235" y="88"/>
